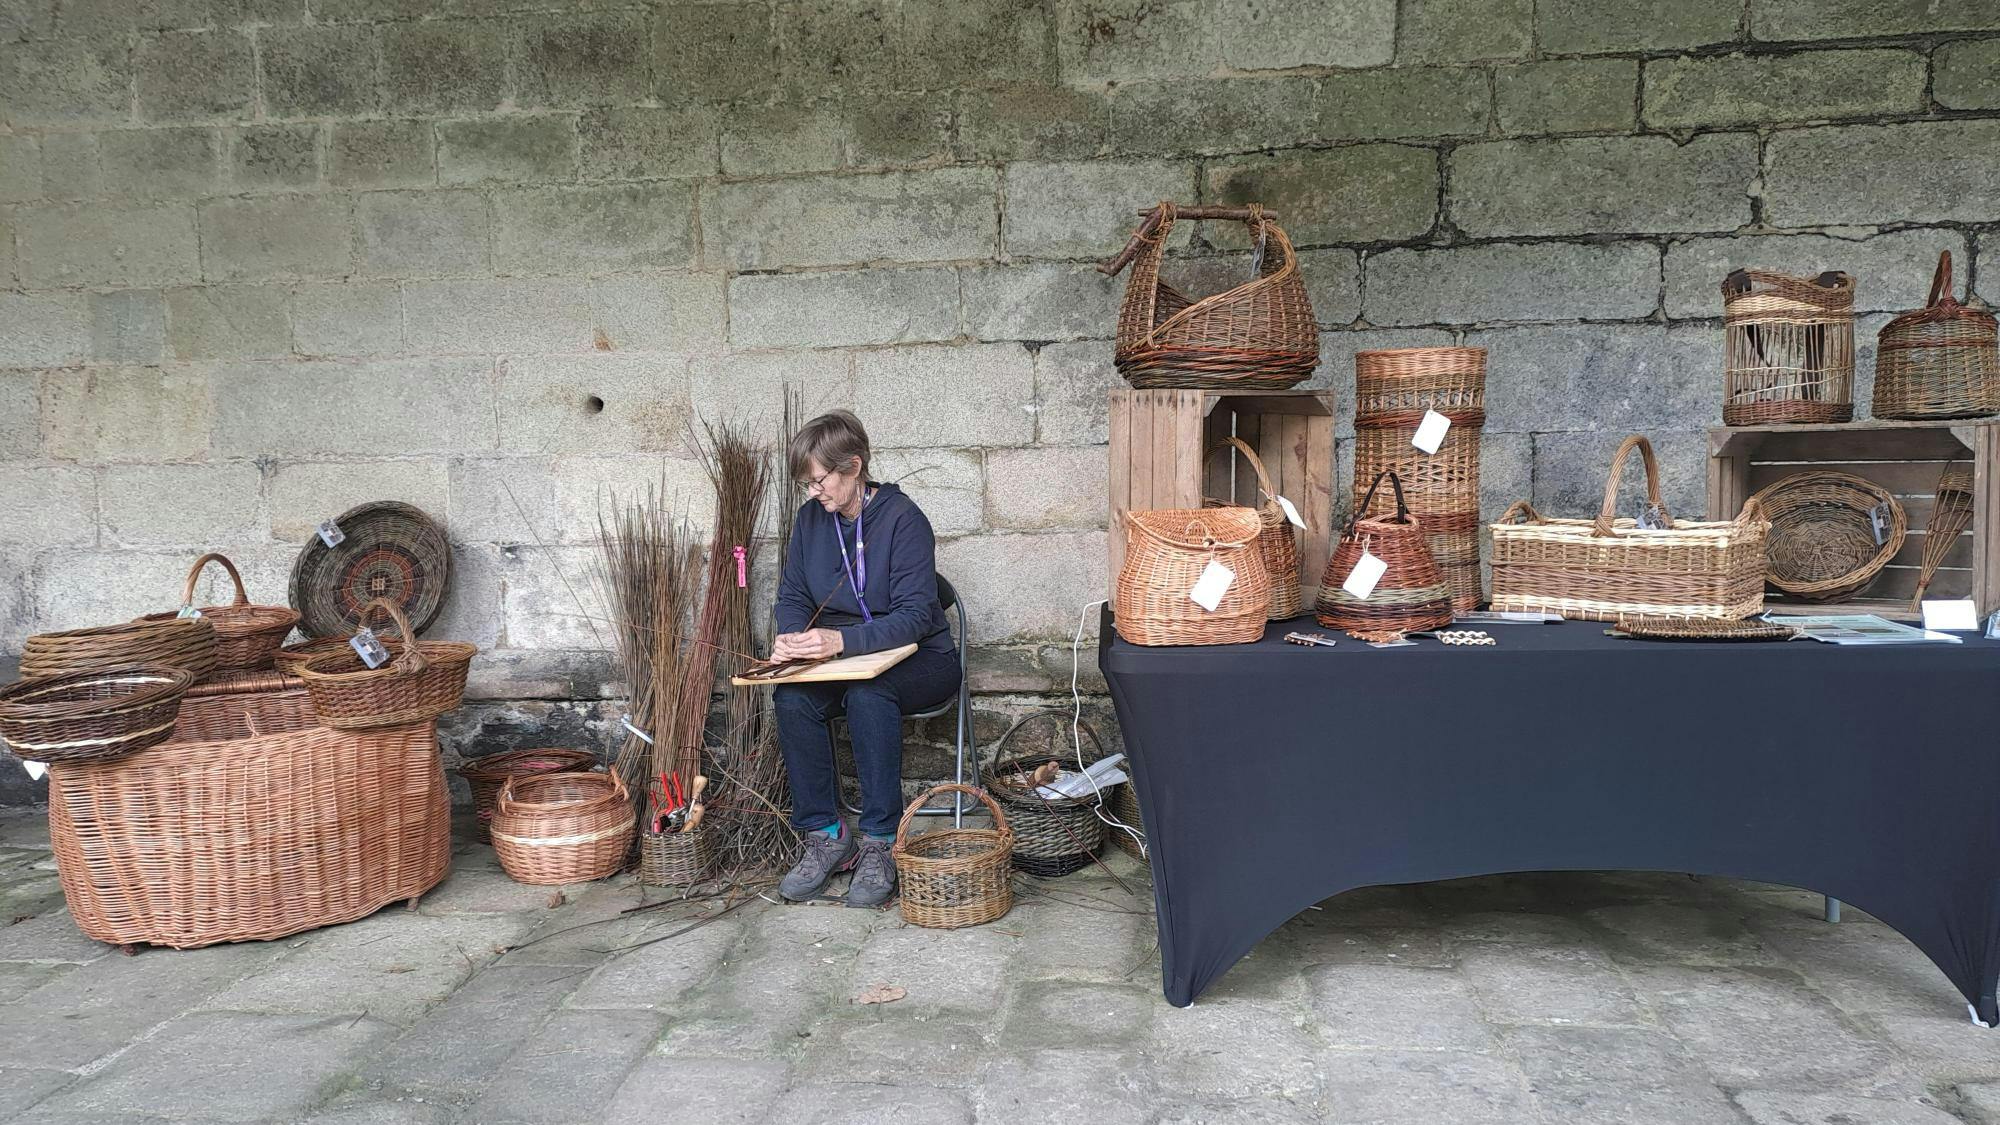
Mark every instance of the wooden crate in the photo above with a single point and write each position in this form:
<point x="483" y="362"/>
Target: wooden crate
<point x="1904" y="457"/>
<point x="1159" y="440"/>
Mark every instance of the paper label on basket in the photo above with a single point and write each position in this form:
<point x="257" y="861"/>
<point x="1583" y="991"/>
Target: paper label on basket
<point x="188" y="611"/>
<point x="1367" y="571"/>
<point x="1650" y="517"/>
<point x="1430" y="432"/>
<point x="331" y="535"/>
<point x="1214" y="582"/>
<point x="1957" y="615"/>
<point x="36" y="770"/>
<point x="369" y="648"/>
<point x="1291" y="512"/>
<point x="1878" y="519"/>
<point x="1993" y="626"/>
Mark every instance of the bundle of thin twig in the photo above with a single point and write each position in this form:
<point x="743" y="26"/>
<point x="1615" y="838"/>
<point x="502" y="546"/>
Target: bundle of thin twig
<point x="1951" y="514"/>
<point x="647" y="577"/>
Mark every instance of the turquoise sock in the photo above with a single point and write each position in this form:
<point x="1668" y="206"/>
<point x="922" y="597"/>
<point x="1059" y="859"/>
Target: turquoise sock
<point x="832" y="830"/>
<point x="882" y="839"/>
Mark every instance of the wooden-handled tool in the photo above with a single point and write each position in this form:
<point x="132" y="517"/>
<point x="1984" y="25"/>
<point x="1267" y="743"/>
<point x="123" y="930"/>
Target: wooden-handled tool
<point x="695" y="807"/>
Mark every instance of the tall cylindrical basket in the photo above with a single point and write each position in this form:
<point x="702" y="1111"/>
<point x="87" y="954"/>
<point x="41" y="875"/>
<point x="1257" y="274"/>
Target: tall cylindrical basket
<point x="1395" y="388"/>
<point x="1788" y="348"/>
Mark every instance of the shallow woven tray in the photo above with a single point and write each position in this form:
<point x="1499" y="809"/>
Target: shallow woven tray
<point x="92" y="716"/>
<point x="1663" y="628"/>
<point x="392" y="551"/>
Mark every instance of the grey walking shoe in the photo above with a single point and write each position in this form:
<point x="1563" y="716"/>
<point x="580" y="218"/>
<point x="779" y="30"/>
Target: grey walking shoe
<point x="824" y="856"/>
<point x="874" y="874"/>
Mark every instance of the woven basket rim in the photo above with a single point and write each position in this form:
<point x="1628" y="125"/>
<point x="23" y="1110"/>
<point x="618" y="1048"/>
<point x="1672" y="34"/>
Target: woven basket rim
<point x="494" y="767"/>
<point x="153" y="684"/>
<point x="613" y="786"/>
<point x="162" y="623"/>
<point x="435" y="653"/>
<point x="1241" y="525"/>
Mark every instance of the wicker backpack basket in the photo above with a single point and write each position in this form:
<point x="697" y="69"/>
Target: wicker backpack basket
<point x="1277" y="540"/>
<point x="1942" y="361"/>
<point x="1410" y="595"/>
<point x="1260" y="334"/>
<point x="1165" y="553"/>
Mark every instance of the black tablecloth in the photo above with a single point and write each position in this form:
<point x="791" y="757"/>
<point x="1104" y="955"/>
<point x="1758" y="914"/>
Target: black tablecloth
<point x="1273" y="776"/>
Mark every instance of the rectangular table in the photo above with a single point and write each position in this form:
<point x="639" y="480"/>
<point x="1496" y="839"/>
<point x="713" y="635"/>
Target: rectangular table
<point x="1273" y="776"/>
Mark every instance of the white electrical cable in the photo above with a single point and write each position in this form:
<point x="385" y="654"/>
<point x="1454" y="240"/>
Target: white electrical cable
<point x="1076" y="729"/>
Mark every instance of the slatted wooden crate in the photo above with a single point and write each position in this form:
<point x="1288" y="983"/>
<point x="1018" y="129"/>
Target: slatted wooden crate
<point x="1904" y="457"/>
<point x="1159" y="440"/>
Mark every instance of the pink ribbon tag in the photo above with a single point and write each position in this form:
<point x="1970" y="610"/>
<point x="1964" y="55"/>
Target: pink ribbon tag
<point x="742" y="574"/>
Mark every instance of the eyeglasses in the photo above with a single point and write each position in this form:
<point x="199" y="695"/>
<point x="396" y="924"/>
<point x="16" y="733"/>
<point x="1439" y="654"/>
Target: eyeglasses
<point x="816" y="484"/>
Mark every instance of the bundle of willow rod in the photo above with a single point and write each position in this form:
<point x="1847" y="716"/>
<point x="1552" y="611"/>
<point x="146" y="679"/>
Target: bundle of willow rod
<point x="1951" y="514"/>
<point x="647" y="577"/>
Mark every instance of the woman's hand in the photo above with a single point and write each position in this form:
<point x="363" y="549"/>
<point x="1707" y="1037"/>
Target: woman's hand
<point x="813" y="644"/>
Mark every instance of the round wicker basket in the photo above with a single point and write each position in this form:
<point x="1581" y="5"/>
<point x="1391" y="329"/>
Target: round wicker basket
<point x="425" y="679"/>
<point x="1052" y="835"/>
<point x="954" y="877"/>
<point x="247" y="636"/>
<point x="92" y="716"/>
<point x="558" y="828"/>
<point x="1823" y="545"/>
<point x="178" y="642"/>
<point x="488" y="773"/>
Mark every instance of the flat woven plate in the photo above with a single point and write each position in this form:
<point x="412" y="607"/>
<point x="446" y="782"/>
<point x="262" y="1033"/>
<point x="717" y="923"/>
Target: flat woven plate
<point x="1665" y="628"/>
<point x="392" y="551"/>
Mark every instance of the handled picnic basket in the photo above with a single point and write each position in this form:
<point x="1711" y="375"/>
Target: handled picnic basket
<point x="556" y="828"/>
<point x="1597" y="569"/>
<point x="178" y="642"/>
<point x="1260" y="334"/>
<point x="423" y="680"/>
<point x="1165" y="554"/>
<point x="1394" y="389"/>
<point x="1411" y="594"/>
<point x="251" y="823"/>
<point x="953" y="877"/>
<point x="488" y="773"/>
<point x="1942" y="361"/>
<point x="247" y="636"/>
<point x="1277" y="542"/>
<point x="1788" y="348"/>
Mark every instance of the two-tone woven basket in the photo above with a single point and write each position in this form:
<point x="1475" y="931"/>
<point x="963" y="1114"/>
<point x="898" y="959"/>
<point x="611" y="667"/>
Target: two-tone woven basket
<point x="1410" y="595"/>
<point x="92" y="716"/>
<point x="1277" y="540"/>
<point x="1052" y="835"/>
<point x="556" y="828"/>
<point x="1788" y="348"/>
<point x="1941" y="361"/>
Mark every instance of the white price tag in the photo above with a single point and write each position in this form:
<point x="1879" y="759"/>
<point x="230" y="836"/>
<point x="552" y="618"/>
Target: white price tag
<point x="1956" y="615"/>
<point x="331" y="535"/>
<point x="369" y="648"/>
<point x="188" y="611"/>
<point x="1291" y="512"/>
<point x="36" y="770"/>
<point x="1215" y="581"/>
<point x="1430" y="432"/>
<point x="1367" y="571"/>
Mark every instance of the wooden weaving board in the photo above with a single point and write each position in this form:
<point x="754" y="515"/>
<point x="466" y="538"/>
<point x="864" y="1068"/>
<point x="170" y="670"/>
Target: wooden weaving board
<point x="864" y="667"/>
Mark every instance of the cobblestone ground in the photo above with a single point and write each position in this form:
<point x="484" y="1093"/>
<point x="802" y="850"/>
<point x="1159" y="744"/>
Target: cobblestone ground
<point x="1552" y="998"/>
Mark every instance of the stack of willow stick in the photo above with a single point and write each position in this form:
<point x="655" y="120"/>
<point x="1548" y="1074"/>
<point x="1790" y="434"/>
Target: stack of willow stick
<point x="650" y="565"/>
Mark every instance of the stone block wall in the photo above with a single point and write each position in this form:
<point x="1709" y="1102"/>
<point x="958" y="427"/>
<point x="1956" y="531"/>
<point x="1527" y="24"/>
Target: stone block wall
<point x="263" y="259"/>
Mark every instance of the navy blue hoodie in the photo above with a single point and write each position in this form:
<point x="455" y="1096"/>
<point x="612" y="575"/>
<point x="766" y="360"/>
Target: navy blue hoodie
<point x="902" y="577"/>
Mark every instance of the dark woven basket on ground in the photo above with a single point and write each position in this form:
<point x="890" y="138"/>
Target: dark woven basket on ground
<point x="954" y="877"/>
<point x="1052" y="835"/>
<point x="1124" y="806"/>
<point x="488" y="773"/>
<point x="178" y="642"/>
<point x="391" y="550"/>
<point x="92" y="716"/>
<point x="247" y="636"/>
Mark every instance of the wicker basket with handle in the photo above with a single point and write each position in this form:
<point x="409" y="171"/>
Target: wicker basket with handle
<point x="276" y="825"/>
<point x="1260" y="334"/>
<point x="1600" y="568"/>
<point x="555" y="828"/>
<point x="1788" y="348"/>
<point x="954" y="877"/>
<point x="1166" y="553"/>
<point x="1410" y="594"/>
<point x="247" y="636"/>
<point x="486" y="774"/>
<point x="1277" y="540"/>
<point x="92" y="716"/>
<point x="1052" y="835"/>
<point x="178" y="642"/>
<point x="1942" y="361"/>
<point x="1394" y="389"/>
<point x="423" y="680"/>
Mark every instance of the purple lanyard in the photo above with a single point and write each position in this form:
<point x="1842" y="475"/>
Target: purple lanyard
<point x="857" y="569"/>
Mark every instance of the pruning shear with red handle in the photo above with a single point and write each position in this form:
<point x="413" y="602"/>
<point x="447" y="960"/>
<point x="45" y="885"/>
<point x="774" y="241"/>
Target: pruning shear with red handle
<point x="669" y="803"/>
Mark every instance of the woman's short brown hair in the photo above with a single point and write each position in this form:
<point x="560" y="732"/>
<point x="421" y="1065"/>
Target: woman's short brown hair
<point x="832" y="439"/>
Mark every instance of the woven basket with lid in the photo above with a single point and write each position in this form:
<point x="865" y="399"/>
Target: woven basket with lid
<point x="1165" y="554"/>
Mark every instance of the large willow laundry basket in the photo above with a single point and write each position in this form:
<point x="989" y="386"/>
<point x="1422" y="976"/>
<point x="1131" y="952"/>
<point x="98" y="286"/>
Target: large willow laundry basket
<point x="252" y="823"/>
<point x="1394" y="389"/>
<point x="1260" y="334"/>
<point x="1788" y="348"/>
<point x="1941" y="361"/>
<point x="1165" y="554"/>
<point x="1277" y="539"/>
<point x="1598" y="569"/>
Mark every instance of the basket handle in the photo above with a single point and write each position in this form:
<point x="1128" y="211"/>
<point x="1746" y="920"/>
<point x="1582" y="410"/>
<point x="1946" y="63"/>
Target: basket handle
<point x="1396" y="483"/>
<point x="506" y="795"/>
<point x="194" y="576"/>
<point x="1941" y="284"/>
<point x="1520" y="508"/>
<point x="1602" y="526"/>
<point x="909" y="814"/>
<point x="1089" y="732"/>
<point x="1264" y="484"/>
<point x="410" y="659"/>
<point x="1162" y="215"/>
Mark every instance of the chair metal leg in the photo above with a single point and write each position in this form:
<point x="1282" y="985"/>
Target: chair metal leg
<point x="1832" y="909"/>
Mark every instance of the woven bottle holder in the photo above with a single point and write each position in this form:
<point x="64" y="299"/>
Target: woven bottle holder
<point x="1165" y="553"/>
<point x="246" y="636"/>
<point x="1394" y="389"/>
<point x="953" y="877"/>
<point x="1411" y="594"/>
<point x="1788" y="348"/>
<point x="1951" y="514"/>
<point x="1942" y="361"/>
<point x="1260" y="334"/>
<point x="1277" y="540"/>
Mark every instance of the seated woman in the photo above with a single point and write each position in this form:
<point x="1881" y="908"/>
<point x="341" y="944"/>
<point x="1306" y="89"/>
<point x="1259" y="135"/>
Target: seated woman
<point x="866" y="553"/>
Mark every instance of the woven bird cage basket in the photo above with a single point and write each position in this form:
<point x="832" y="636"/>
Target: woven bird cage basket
<point x="1942" y="361"/>
<point x="1277" y="540"/>
<point x="1823" y="545"/>
<point x="1951" y="514"/>
<point x="1788" y="348"/>
<point x="247" y="637"/>
<point x="1409" y="596"/>
<point x="1394" y="389"/>
<point x="676" y="859"/>
<point x="1260" y="334"/>
<point x="92" y="716"/>
<point x="1599" y="569"/>
<point x="391" y="550"/>
<point x="178" y="642"/>
<point x="252" y="823"/>
<point x="556" y="828"/>
<point x="488" y="773"/>
<point x="954" y="877"/>
<point x="422" y="680"/>
<point x="1052" y="835"/>
<point x="1166" y="550"/>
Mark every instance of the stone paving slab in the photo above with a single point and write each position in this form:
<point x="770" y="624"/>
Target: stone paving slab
<point x="1560" y="998"/>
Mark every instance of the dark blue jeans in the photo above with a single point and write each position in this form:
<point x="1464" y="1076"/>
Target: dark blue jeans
<point x="874" y="710"/>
